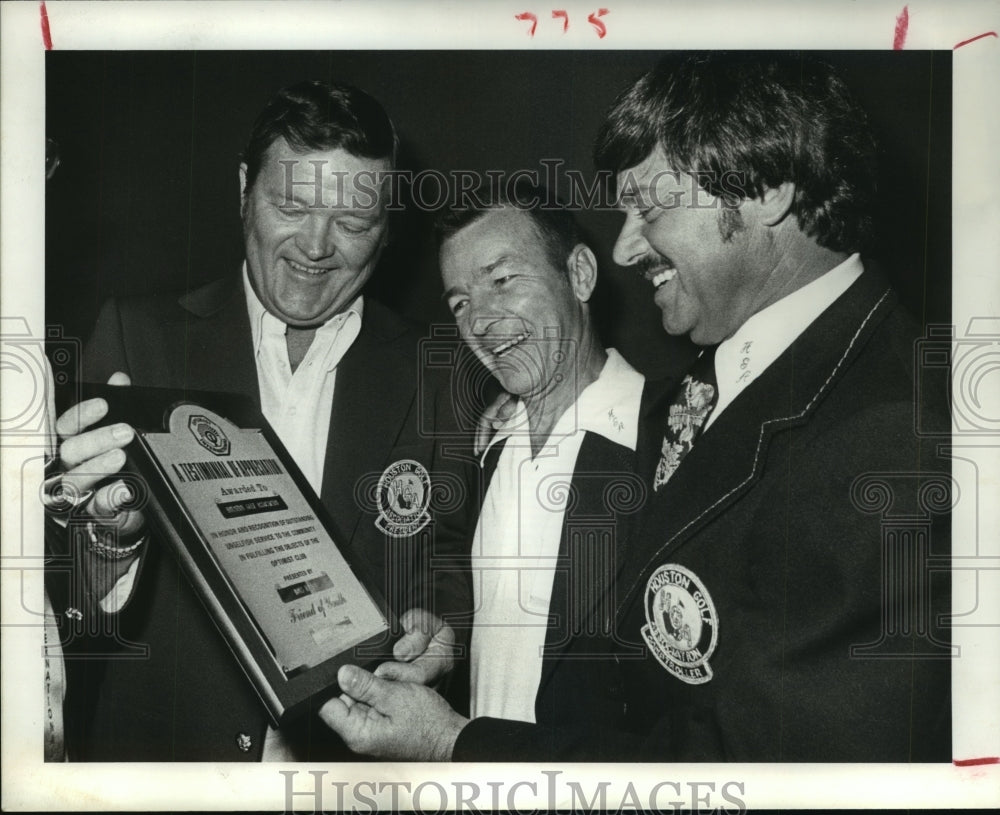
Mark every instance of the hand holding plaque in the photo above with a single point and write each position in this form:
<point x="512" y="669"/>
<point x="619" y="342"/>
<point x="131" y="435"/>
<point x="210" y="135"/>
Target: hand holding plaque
<point x="254" y="540"/>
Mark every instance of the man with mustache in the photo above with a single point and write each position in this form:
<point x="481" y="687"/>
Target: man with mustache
<point x="746" y="183"/>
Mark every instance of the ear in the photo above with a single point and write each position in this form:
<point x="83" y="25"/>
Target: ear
<point x="582" y="270"/>
<point x="776" y="202"/>
<point x="243" y="185"/>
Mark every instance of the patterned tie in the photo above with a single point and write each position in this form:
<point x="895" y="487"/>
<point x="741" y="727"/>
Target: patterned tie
<point x="694" y="401"/>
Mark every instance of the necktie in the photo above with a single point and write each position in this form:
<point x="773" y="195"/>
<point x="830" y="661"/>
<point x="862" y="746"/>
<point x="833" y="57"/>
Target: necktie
<point x="689" y="411"/>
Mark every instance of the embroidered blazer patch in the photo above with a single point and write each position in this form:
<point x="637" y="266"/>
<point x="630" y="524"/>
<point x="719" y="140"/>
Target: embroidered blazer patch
<point x="682" y="626"/>
<point x="404" y="493"/>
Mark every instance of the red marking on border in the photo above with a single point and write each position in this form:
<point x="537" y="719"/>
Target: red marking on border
<point x="902" y="24"/>
<point x="46" y="33"/>
<point x="527" y="15"/>
<point x="972" y="762"/>
<point x="597" y="24"/>
<point x="973" y="39"/>
<point x="565" y="18"/>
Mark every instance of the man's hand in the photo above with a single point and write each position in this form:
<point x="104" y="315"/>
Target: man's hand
<point x="91" y="457"/>
<point x="496" y="413"/>
<point x="425" y="653"/>
<point x="394" y="720"/>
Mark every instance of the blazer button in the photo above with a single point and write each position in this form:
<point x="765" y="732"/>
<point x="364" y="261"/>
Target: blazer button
<point x="244" y="742"/>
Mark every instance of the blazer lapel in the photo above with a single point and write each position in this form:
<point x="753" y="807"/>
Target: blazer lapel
<point x="376" y="384"/>
<point x="728" y="458"/>
<point x="215" y="351"/>
<point x="606" y="496"/>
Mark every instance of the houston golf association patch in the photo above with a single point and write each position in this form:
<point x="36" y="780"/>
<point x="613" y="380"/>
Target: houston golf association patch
<point x="682" y="626"/>
<point x="404" y="493"/>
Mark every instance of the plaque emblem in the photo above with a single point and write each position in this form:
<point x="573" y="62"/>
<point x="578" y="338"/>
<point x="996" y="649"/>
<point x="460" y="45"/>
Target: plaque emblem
<point x="404" y="492"/>
<point x="682" y="626"/>
<point x="208" y="434"/>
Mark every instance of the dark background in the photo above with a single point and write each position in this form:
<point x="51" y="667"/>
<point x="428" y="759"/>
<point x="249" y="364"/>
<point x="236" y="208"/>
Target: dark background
<point x="146" y="197"/>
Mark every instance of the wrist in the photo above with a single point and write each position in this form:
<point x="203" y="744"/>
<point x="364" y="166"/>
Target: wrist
<point x="445" y="743"/>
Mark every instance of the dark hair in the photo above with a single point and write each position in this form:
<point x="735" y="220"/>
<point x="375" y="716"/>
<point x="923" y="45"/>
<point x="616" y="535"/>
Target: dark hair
<point x="553" y="221"/>
<point x="315" y="115"/>
<point x="744" y="122"/>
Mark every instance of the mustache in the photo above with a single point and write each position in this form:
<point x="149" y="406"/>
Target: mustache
<point x="651" y="262"/>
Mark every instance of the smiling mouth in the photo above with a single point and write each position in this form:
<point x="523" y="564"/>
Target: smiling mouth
<point x="661" y="277"/>
<point x="504" y="347"/>
<point x="313" y="271"/>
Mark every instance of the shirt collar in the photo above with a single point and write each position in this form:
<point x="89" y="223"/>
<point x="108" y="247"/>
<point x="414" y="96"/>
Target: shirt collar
<point x="765" y="336"/>
<point x="262" y="322"/>
<point x="608" y="406"/>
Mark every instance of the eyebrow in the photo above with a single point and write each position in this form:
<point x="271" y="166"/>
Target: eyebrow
<point x="483" y="270"/>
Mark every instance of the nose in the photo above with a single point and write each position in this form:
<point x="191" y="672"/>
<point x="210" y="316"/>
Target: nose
<point x="316" y="237"/>
<point x="480" y="315"/>
<point x="631" y="244"/>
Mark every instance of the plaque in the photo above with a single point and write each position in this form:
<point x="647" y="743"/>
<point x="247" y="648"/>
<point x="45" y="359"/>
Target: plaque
<point x="254" y="540"/>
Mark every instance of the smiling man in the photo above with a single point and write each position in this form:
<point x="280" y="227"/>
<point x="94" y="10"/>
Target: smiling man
<point x="747" y="184"/>
<point x="338" y="377"/>
<point x="519" y="281"/>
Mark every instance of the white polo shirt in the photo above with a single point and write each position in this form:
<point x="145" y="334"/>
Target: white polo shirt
<point x="516" y="544"/>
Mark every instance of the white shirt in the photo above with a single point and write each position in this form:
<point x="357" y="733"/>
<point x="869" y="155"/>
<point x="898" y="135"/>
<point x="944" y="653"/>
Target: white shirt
<point x="517" y="538"/>
<point x="298" y="404"/>
<point x="743" y="357"/>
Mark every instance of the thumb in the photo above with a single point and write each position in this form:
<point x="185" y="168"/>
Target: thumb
<point x="120" y="379"/>
<point x="360" y="685"/>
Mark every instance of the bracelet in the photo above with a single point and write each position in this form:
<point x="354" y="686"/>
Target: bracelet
<point x="102" y="550"/>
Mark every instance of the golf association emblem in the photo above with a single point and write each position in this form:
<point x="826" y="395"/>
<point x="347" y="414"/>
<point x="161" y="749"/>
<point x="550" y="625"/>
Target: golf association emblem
<point x="404" y="491"/>
<point x="682" y="626"/>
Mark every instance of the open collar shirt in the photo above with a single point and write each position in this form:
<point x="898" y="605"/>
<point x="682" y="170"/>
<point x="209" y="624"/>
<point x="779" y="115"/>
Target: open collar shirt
<point x="518" y="536"/>
<point x="298" y="405"/>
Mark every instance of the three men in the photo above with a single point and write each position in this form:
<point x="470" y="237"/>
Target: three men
<point x="762" y="586"/>
<point x="338" y="377"/>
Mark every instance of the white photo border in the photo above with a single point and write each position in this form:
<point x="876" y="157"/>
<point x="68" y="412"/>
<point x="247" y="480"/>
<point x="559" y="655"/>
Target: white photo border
<point x="30" y="784"/>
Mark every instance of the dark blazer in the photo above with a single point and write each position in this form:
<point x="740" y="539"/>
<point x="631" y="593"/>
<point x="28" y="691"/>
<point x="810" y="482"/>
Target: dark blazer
<point x="808" y="530"/>
<point x="187" y="700"/>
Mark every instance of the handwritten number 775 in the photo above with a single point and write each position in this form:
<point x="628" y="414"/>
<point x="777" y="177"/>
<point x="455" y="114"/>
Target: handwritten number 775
<point x="558" y="14"/>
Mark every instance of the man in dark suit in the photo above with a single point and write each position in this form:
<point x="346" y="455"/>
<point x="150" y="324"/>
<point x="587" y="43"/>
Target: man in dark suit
<point x="782" y="585"/>
<point x="337" y="375"/>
